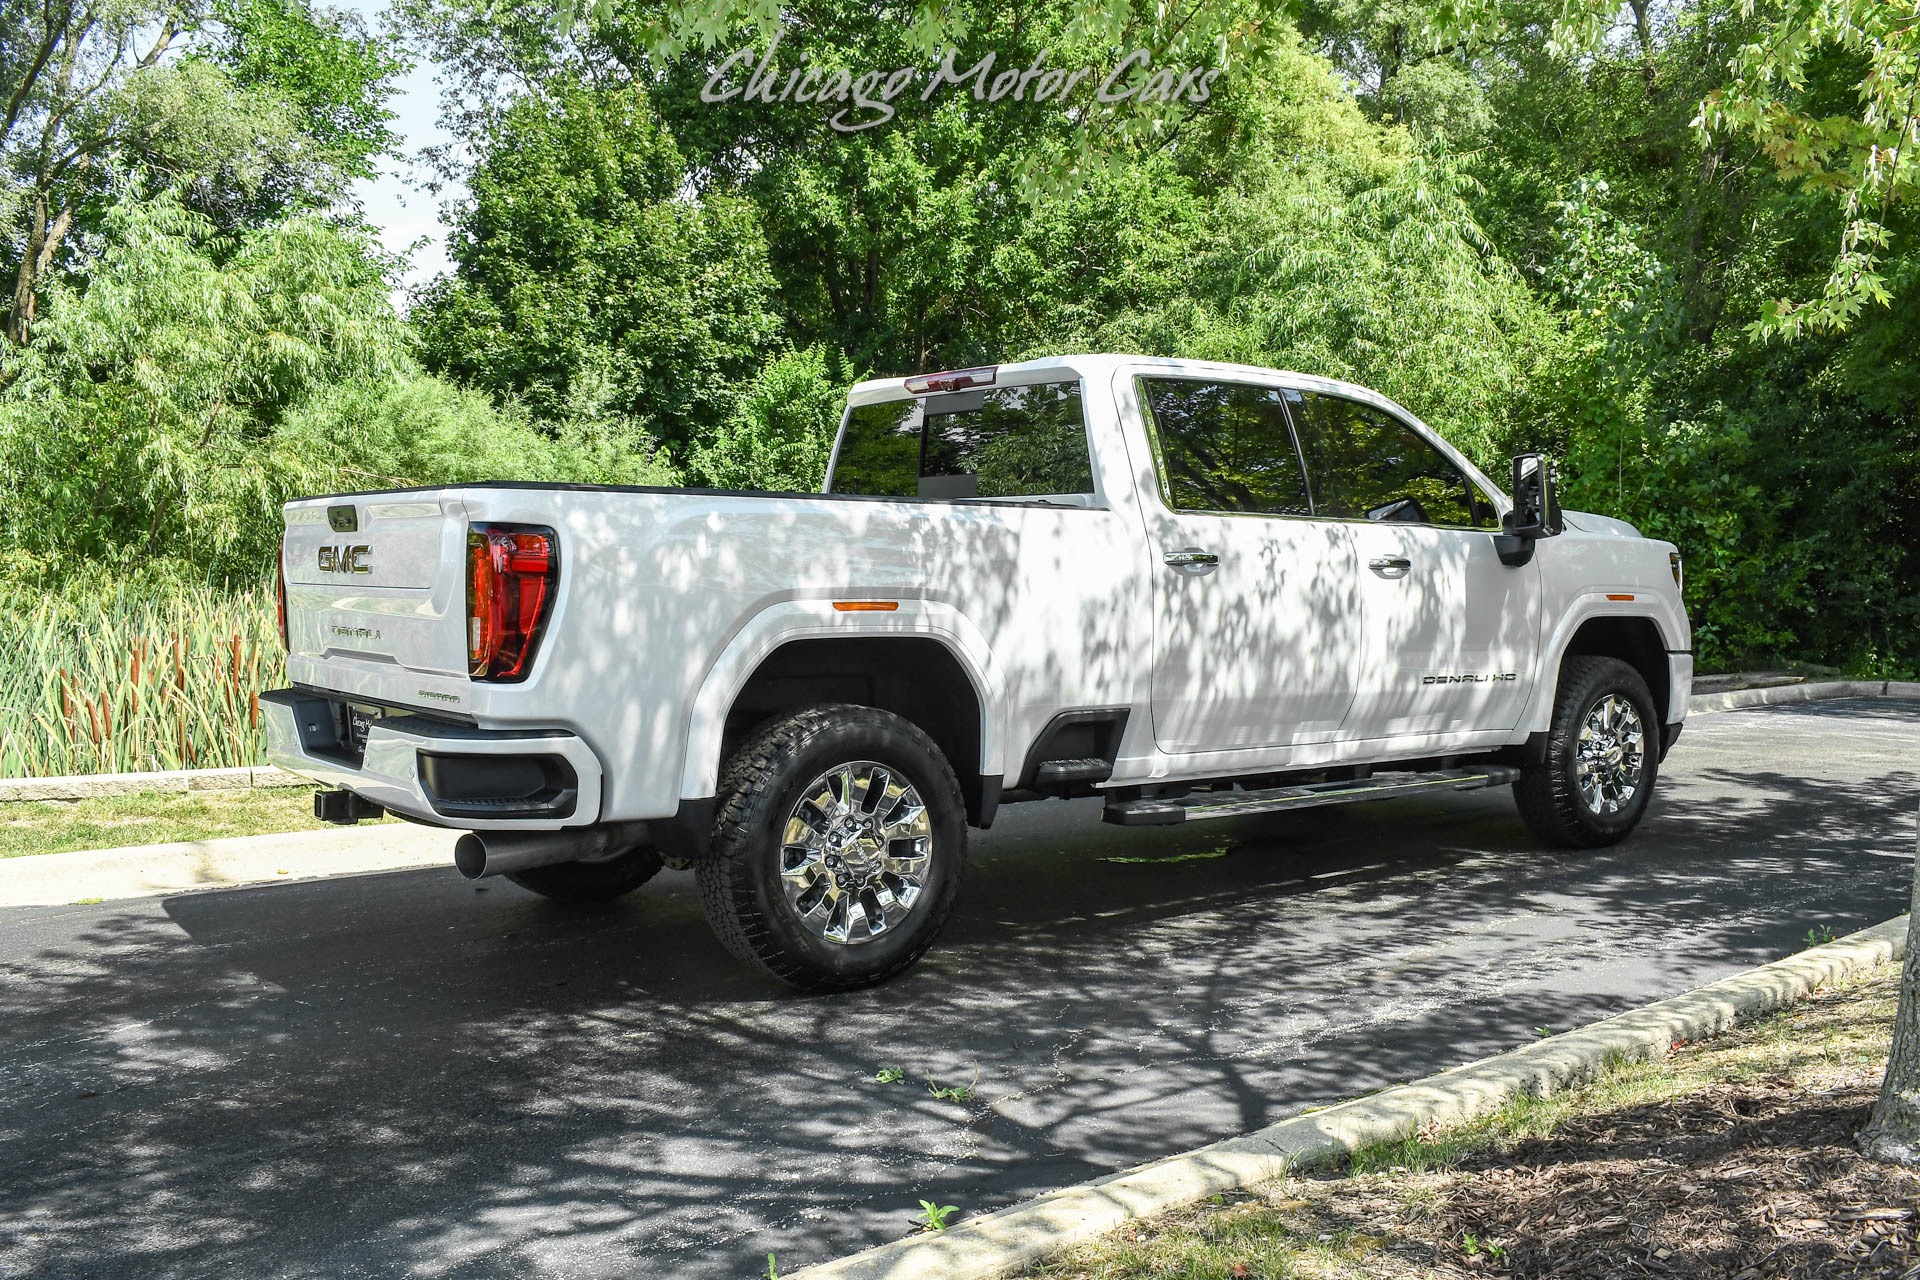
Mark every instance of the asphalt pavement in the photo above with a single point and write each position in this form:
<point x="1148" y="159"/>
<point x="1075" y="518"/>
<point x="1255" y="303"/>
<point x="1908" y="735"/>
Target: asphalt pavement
<point x="405" y="1075"/>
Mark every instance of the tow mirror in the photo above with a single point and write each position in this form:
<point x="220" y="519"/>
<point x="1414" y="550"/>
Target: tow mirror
<point x="1536" y="509"/>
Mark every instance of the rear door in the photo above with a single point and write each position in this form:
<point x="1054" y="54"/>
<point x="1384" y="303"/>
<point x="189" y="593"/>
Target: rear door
<point x="1450" y="633"/>
<point x="1254" y="637"/>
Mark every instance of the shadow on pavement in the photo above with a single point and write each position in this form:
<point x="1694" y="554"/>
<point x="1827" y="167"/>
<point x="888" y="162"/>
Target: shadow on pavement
<point x="396" y="1075"/>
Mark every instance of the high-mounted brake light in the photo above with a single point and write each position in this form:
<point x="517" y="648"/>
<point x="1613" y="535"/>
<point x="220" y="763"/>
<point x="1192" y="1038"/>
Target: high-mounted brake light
<point x="952" y="380"/>
<point x="511" y="571"/>
<point x="280" y="590"/>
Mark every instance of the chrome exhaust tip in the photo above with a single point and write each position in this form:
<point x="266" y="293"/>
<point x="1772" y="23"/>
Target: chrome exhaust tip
<point x="479" y="854"/>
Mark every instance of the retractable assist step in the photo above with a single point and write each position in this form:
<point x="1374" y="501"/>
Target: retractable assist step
<point x="1161" y="811"/>
<point x="1088" y="770"/>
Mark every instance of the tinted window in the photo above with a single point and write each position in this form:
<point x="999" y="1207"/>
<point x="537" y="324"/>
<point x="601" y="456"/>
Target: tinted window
<point x="1366" y="463"/>
<point x="998" y="442"/>
<point x="1225" y="447"/>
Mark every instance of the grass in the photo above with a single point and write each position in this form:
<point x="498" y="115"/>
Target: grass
<point x="1292" y="1228"/>
<point x="115" y="822"/>
<point x="110" y="679"/>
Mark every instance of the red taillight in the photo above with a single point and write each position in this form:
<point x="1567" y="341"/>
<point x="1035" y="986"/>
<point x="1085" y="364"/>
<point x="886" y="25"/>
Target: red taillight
<point x="511" y="570"/>
<point x="280" y="590"/>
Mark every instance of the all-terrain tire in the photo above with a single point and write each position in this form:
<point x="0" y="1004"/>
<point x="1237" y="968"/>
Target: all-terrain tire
<point x="760" y="786"/>
<point x="1551" y="797"/>
<point x="577" y="883"/>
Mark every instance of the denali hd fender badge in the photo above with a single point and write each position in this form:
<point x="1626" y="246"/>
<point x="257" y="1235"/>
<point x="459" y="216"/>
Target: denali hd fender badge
<point x="351" y="559"/>
<point x="1480" y="677"/>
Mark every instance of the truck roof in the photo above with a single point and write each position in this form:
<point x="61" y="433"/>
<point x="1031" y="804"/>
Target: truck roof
<point x="1091" y="363"/>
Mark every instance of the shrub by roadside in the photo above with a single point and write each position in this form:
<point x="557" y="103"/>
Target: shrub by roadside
<point x="1730" y="1159"/>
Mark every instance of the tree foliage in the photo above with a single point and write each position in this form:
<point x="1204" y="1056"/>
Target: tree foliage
<point x="780" y="433"/>
<point x="581" y="270"/>
<point x="197" y="381"/>
<point x="249" y="111"/>
<point x="1579" y="225"/>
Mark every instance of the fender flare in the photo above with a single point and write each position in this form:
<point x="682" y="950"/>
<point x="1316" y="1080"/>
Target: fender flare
<point x="786" y="621"/>
<point x="1582" y="609"/>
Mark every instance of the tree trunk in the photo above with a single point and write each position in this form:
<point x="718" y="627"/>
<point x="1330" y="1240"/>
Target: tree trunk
<point x="44" y="239"/>
<point x="20" y="316"/>
<point x="1894" y="1132"/>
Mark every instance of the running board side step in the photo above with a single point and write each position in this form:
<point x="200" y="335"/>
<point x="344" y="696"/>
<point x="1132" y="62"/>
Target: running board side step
<point x="1162" y="812"/>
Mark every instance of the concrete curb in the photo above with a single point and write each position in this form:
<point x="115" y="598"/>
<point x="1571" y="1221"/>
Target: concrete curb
<point x="86" y="786"/>
<point x="144" y="871"/>
<point x="998" y="1244"/>
<point x="1774" y="695"/>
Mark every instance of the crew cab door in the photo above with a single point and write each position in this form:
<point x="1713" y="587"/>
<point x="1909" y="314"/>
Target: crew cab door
<point x="1450" y="634"/>
<point x="1254" y="635"/>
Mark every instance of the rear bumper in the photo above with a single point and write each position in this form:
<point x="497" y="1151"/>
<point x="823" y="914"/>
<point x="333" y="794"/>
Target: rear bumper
<point x="435" y="771"/>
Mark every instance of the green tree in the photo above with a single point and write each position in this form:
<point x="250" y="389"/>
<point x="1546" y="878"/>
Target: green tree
<point x="331" y="74"/>
<point x="580" y="267"/>
<point x="197" y="380"/>
<point x="247" y="111"/>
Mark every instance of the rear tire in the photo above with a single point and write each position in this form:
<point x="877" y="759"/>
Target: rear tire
<point x="838" y="847"/>
<point x="1603" y="756"/>
<point x="576" y="883"/>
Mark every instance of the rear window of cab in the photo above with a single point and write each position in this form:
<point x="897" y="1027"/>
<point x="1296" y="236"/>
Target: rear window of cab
<point x="1011" y="442"/>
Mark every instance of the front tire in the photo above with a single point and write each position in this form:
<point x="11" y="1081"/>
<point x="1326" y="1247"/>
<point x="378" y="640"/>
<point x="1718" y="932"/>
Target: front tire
<point x="1602" y="757"/>
<point x="579" y="883"/>
<point x="837" y="850"/>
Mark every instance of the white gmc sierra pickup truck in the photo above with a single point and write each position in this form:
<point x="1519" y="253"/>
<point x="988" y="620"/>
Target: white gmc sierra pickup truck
<point x="1198" y="590"/>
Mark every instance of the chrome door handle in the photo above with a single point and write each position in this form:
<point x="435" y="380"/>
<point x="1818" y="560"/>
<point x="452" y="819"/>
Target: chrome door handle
<point x="1390" y="566"/>
<point x="1191" y="558"/>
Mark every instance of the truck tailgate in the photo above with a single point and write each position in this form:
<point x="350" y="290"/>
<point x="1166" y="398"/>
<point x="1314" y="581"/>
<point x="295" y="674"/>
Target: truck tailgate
<point x="378" y="580"/>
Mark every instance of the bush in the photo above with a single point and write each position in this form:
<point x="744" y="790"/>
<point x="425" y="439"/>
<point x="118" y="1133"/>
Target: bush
<point x="166" y="411"/>
<point x="417" y="429"/>
<point x="780" y="434"/>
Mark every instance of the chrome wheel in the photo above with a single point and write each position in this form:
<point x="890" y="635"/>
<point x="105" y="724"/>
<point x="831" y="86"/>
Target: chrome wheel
<point x="855" y="852"/>
<point x="1611" y="756"/>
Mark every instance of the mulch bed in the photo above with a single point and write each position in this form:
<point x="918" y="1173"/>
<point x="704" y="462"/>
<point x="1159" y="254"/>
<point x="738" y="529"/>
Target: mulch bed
<point x="1751" y="1181"/>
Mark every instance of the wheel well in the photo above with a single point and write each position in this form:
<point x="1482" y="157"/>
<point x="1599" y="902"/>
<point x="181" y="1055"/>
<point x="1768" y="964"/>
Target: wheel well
<point x="917" y="679"/>
<point x="1636" y="642"/>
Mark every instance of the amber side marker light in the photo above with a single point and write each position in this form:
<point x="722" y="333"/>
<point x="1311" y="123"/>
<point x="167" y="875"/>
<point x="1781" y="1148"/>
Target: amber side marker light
<point x="1614" y="597"/>
<point x="866" y="606"/>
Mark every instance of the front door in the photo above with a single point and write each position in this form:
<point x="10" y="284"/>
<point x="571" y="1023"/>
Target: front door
<point x="1450" y="632"/>
<point x="1255" y="634"/>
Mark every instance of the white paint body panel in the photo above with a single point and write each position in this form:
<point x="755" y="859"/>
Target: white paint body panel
<point x="1292" y="655"/>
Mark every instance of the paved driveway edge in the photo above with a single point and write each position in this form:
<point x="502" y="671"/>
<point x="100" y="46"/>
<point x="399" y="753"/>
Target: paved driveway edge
<point x="147" y="870"/>
<point x="1001" y="1243"/>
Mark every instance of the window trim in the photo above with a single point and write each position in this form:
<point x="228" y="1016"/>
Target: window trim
<point x="1096" y="498"/>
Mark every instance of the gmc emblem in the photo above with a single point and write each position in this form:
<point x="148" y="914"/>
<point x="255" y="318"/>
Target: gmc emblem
<point x="351" y="559"/>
